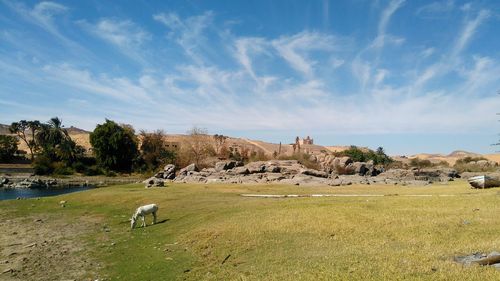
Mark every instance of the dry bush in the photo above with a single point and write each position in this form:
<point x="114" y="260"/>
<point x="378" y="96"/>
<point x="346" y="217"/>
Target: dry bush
<point x="303" y="159"/>
<point x="198" y="148"/>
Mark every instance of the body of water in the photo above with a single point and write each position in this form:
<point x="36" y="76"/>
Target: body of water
<point x="31" y="193"/>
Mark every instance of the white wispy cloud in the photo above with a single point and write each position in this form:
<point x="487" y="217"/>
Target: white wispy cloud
<point x="451" y="61"/>
<point x="468" y="31"/>
<point x="125" y="35"/>
<point x="43" y="15"/>
<point x="385" y="17"/>
<point x="245" y="48"/>
<point x="294" y="49"/>
<point x="188" y="32"/>
<point x="481" y="77"/>
<point x="365" y="67"/>
<point x="436" y="10"/>
<point x="112" y="87"/>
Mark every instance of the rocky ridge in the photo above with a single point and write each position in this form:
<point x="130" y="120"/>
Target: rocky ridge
<point x="292" y="172"/>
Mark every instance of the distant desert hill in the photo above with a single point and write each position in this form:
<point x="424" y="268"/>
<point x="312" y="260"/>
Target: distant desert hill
<point x="75" y="130"/>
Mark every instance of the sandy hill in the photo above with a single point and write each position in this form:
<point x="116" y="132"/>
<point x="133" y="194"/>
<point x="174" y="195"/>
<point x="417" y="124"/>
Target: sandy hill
<point x="75" y="130"/>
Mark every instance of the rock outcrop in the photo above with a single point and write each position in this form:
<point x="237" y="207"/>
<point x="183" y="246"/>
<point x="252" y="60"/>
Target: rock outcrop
<point x="292" y="172"/>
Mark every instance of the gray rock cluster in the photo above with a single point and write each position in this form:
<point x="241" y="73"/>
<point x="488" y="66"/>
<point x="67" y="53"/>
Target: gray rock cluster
<point x="418" y="176"/>
<point x="159" y="178"/>
<point x="292" y="172"/>
<point x="31" y="182"/>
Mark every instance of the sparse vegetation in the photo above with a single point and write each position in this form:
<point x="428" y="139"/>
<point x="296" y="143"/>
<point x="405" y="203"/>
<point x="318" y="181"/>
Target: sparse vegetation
<point x="474" y="164"/>
<point x="303" y="158"/>
<point x="197" y="149"/>
<point x="420" y="163"/>
<point x="364" y="155"/>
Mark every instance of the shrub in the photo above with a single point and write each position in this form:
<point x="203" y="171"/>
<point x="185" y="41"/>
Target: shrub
<point x="79" y="167"/>
<point x="8" y="147"/>
<point x="43" y="165"/>
<point x="258" y="156"/>
<point x="420" y="163"/>
<point x="63" y="170"/>
<point x="92" y="171"/>
<point x="469" y="159"/>
<point x="397" y="165"/>
<point x="363" y="155"/>
<point x="468" y="164"/>
<point x="443" y="164"/>
<point x="302" y="158"/>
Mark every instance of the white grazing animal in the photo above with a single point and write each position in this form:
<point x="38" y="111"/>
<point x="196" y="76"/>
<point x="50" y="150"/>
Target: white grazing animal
<point x="142" y="211"/>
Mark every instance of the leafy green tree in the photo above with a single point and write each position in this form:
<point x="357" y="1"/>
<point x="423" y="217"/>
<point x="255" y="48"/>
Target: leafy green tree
<point x="360" y="155"/>
<point x="26" y="131"/>
<point x="114" y="146"/>
<point x="8" y="147"/>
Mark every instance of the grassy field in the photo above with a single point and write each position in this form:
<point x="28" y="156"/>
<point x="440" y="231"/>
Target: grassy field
<point x="210" y="232"/>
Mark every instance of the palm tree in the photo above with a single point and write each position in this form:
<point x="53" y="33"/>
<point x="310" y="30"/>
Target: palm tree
<point x="56" y="142"/>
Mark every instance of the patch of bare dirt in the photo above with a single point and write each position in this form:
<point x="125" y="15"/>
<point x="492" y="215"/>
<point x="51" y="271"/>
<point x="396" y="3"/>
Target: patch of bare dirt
<point x="46" y="248"/>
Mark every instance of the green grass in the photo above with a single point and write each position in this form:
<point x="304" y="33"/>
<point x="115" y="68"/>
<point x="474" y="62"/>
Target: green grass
<point x="332" y="238"/>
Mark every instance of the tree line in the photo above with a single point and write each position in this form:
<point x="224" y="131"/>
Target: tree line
<point x="115" y="148"/>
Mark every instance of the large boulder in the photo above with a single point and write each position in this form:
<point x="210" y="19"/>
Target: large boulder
<point x="187" y="170"/>
<point x="226" y="165"/>
<point x="359" y="168"/>
<point x="314" y="173"/>
<point x="4" y="180"/>
<point x="239" y="171"/>
<point x="273" y="177"/>
<point x="154" y="182"/>
<point x="343" y="161"/>
<point x="256" y="167"/>
<point x="169" y="171"/>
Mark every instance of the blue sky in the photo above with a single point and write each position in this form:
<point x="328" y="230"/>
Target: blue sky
<point x="411" y="76"/>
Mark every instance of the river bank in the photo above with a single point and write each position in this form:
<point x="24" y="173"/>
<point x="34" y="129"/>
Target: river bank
<point x="28" y="181"/>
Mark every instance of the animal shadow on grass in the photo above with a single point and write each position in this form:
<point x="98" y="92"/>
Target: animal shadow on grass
<point x="162" y="221"/>
<point x="147" y="224"/>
